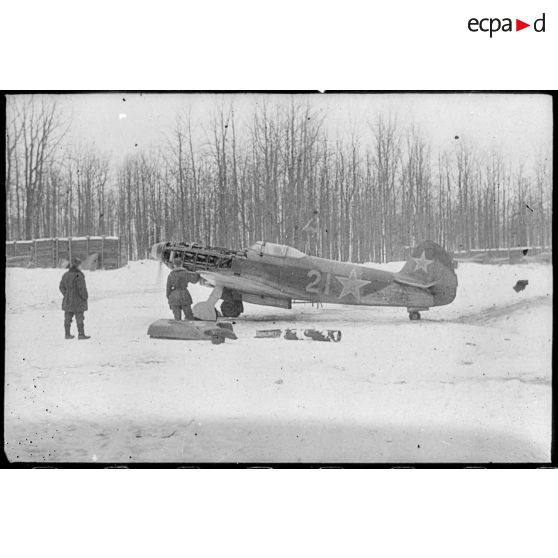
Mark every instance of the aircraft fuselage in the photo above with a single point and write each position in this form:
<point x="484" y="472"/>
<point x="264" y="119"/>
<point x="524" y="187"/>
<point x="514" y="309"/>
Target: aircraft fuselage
<point x="318" y="280"/>
<point x="275" y="275"/>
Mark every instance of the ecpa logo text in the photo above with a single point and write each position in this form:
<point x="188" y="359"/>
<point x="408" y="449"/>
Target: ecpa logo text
<point x="494" y="24"/>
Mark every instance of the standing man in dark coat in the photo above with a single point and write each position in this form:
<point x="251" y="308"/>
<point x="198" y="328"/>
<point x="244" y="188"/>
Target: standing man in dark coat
<point x="72" y="287"/>
<point x="177" y="290"/>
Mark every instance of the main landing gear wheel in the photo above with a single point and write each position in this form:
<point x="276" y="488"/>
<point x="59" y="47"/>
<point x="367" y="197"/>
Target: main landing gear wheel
<point x="414" y="315"/>
<point x="232" y="308"/>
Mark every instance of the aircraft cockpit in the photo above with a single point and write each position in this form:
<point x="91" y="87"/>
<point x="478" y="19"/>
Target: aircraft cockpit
<point x="262" y="248"/>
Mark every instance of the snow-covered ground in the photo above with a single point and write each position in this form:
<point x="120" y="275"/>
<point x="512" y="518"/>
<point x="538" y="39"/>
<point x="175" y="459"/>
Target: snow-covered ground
<point x="470" y="382"/>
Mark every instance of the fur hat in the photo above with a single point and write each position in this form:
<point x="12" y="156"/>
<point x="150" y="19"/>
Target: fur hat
<point x="75" y="262"/>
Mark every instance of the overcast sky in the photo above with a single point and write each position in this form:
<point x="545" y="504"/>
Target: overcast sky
<point x="519" y="125"/>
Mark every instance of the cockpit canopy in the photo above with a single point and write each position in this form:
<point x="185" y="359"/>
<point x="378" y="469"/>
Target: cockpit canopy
<point x="278" y="250"/>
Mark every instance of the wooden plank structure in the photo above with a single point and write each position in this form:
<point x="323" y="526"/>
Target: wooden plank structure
<point x="56" y="252"/>
<point x="511" y="255"/>
<point x="516" y="254"/>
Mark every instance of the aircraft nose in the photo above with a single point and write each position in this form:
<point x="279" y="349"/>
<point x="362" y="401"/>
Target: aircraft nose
<point x="157" y="250"/>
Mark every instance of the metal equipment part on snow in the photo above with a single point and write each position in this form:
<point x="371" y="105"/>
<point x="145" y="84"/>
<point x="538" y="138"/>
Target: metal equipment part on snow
<point x="302" y="334"/>
<point x="191" y="330"/>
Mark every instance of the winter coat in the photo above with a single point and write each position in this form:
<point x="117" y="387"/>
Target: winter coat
<point x="177" y="286"/>
<point x="72" y="286"/>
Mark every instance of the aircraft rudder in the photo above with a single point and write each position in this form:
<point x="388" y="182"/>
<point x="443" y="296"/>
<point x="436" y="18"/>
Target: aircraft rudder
<point x="431" y="263"/>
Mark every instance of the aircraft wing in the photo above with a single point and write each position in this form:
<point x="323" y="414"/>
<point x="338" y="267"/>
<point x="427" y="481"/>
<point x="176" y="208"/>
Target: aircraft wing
<point x="242" y="284"/>
<point x="412" y="282"/>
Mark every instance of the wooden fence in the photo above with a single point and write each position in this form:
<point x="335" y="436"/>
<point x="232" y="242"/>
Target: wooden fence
<point x="511" y="255"/>
<point x="495" y="255"/>
<point x="56" y="252"/>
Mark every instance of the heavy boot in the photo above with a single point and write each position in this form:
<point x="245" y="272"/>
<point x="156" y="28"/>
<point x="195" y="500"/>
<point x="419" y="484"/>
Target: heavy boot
<point x="68" y="334"/>
<point x="82" y="333"/>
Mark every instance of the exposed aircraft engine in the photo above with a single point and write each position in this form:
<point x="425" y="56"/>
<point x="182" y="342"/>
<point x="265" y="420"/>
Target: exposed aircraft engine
<point x="194" y="256"/>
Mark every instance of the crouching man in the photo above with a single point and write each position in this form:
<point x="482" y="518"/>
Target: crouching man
<point x="177" y="290"/>
<point x="74" y="290"/>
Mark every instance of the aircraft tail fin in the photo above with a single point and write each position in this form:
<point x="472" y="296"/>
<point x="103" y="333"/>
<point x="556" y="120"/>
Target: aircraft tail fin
<point x="430" y="267"/>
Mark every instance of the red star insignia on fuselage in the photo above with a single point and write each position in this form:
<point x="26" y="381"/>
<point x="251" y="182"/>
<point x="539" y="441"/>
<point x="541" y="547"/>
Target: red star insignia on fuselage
<point x="351" y="285"/>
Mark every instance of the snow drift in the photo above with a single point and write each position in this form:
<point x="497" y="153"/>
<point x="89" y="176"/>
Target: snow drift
<point x="470" y="382"/>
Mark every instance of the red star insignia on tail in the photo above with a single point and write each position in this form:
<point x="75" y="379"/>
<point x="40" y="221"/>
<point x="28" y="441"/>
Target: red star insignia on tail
<point x="422" y="263"/>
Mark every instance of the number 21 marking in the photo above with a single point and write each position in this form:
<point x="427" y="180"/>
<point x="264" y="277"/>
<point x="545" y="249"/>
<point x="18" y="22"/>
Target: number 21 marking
<point x="312" y="287"/>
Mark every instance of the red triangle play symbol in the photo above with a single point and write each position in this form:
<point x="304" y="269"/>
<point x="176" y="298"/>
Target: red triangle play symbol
<point x="519" y="25"/>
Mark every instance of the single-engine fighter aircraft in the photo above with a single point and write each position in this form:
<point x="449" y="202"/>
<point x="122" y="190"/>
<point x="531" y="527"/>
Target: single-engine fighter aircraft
<point x="276" y="275"/>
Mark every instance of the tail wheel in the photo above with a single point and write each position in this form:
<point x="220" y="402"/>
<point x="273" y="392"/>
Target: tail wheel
<point x="414" y="315"/>
<point x="232" y="308"/>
